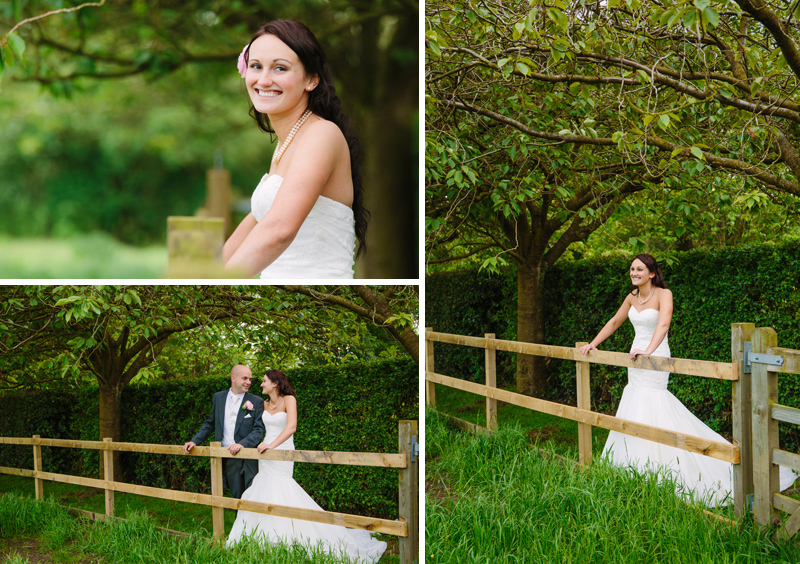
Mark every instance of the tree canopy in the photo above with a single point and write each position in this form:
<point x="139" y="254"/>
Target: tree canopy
<point x="553" y="124"/>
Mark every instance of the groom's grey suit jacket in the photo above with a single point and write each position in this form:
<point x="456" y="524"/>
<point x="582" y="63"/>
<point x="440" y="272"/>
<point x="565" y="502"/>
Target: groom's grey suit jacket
<point x="248" y="432"/>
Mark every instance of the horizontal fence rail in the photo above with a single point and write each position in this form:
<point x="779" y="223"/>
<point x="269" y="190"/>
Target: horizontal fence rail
<point x="377" y="525"/>
<point x="690" y="367"/>
<point x="791" y="360"/>
<point x="713" y="449"/>
<point x="389" y="460"/>
<point x="405" y="462"/>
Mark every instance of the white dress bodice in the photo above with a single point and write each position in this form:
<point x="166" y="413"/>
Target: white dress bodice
<point x="644" y="324"/>
<point x="324" y="246"/>
<point x="274" y="425"/>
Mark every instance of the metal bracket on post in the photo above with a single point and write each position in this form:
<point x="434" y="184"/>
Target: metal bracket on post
<point x="747" y="345"/>
<point x="414" y="448"/>
<point x="760" y="358"/>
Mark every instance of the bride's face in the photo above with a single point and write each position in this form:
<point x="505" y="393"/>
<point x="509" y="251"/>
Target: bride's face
<point x="268" y="385"/>
<point x="639" y="273"/>
<point x="276" y="80"/>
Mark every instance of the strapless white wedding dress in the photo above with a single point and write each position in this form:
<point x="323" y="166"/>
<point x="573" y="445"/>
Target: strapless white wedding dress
<point x="324" y="247"/>
<point x="646" y="400"/>
<point x="274" y="484"/>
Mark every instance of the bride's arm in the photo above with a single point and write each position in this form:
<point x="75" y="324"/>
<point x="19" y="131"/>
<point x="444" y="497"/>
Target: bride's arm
<point x="239" y="235"/>
<point x="664" y="320"/>
<point x="609" y="328"/>
<point x="291" y="425"/>
<point x="303" y="182"/>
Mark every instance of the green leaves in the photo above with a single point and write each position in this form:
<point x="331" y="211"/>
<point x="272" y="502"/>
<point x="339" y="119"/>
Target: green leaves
<point x="11" y="49"/>
<point x="558" y="17"/>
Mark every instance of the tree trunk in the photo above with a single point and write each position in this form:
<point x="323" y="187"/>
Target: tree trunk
<point x="391" y="172"/>
<point x="110" y="421"/>
<point x="531" y="376"/>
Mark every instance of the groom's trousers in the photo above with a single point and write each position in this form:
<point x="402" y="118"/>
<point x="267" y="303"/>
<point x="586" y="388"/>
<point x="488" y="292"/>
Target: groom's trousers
<point x="237" y="475"/>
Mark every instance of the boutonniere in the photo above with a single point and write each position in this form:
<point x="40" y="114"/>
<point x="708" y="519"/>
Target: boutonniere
<point x="248" y="406"/>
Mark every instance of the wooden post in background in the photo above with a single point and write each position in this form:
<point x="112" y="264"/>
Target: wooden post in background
<point x="218" y="196"/>
<point x="108" y="471"/>
<point x="742" y="419"/>
<point x="408" y="508"/>
<point x="217" y="515"/>
<point x="765" y="430"/>
<point x="491" y="380"/>
<point x="582" y="369"/>
<point x="38" y="483"/>
<point x="430" y="387"/>
<point x="194" y="246"/>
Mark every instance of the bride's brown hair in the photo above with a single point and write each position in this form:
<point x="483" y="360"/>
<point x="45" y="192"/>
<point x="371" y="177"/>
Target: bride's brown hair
<point x="279" y="378"/>
<point x="652" y="266"/>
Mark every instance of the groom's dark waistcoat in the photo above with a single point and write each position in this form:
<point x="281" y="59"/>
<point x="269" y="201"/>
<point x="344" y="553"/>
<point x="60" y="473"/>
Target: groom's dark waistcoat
<point x="249" y="428"/>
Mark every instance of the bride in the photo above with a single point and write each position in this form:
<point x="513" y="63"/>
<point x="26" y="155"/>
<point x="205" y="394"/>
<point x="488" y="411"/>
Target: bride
<point x="307" y="211"/>
<point x="646" y="399"/>
<point x="274" y="484"/>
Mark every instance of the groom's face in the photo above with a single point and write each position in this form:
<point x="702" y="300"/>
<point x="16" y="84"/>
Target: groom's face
<point x="240" y="380"/>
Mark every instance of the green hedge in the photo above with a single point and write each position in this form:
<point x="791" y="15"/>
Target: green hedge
<point x="352" y="407"/>
<point x="711" y="289"/>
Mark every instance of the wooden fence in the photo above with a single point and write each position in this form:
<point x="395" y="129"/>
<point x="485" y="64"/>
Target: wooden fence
<point x="771" y="361"/>
<point x="750" y="425"/>
<point x="406" y="528"/>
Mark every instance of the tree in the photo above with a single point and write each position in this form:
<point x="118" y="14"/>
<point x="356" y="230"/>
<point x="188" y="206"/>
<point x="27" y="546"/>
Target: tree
<point x="547" y="120"/>
<point x="394" y="308"/>
<point x="372" y="47"/>
<point x="116" y="333"/>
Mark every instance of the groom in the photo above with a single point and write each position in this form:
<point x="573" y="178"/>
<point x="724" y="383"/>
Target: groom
<point x="236" y="421"/>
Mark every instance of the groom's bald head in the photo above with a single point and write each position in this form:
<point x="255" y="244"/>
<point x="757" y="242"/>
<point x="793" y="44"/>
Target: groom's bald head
<point x="240" y="379"/>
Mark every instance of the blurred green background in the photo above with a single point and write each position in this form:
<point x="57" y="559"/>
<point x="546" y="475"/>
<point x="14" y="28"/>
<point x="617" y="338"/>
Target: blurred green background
<point x="115" y="113"/>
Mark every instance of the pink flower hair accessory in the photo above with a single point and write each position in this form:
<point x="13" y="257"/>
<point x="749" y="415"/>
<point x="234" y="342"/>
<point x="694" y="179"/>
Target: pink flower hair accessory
<point x="248" y="405"/>
<point x="242" y="65"/>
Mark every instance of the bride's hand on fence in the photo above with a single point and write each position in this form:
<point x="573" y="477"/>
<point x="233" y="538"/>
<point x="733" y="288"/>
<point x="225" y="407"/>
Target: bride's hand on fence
<point x="262" y="447"/>
<point x="586" y="348"/>
<point x="635" y="352"/>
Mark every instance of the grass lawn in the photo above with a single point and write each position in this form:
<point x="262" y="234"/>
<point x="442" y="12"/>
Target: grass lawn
<point x="184" y="517"/>
<point x="85" y="256"/>
<point x="43" y="531"/>
<point x="549" y="432"/>
<point x="493" y="498"/>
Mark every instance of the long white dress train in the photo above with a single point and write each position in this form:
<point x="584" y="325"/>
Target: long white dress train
<point x="324" y="246"/>
<point x="274" y="484"/>
<point x="646" y="399"/>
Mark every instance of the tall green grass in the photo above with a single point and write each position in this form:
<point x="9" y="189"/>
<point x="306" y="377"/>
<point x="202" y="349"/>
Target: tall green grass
<point x="137" y="540"/>
<point x="494" y="499"/>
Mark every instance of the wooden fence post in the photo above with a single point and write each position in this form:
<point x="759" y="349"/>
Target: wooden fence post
<point x="217" y="515"/>
<point x="38" y="483"/>
<point x="742" y="419"/>
<point x="583" y="369"/>
<point x="491" y="380"/>
<point x="108" y="470"/>
<point x="218" y="196"/>
<point x="430" y="387"/>
<point x="408" y="507"/>
<point x="765" y="430"/>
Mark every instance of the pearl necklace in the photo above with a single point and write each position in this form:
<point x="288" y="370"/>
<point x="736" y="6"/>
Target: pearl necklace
<point x="639" y="295"/>
<point x="280" y="399"/>
<point x="276" y="156"/>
